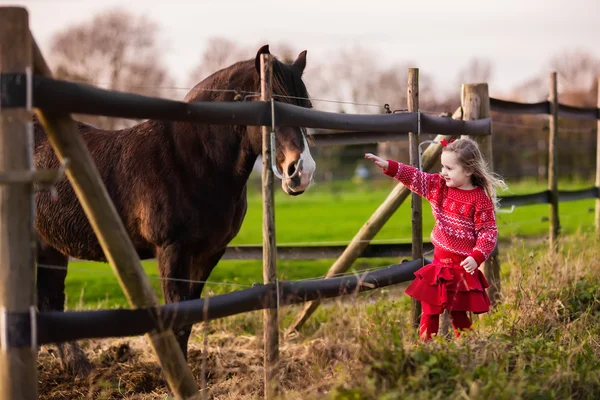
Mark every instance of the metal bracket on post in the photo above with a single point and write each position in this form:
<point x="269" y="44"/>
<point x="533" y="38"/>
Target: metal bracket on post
<point x="29" y="88"/>
<point x="3" y="330"/>
<point x="506" y="211"/>
<point x="44" y="177"/>
<point x="274" y="143"/>
<point x="421" y="152"/>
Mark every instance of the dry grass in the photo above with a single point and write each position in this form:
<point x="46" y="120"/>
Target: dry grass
<point x="125" y="369"/>
<point x="542" y="342"/>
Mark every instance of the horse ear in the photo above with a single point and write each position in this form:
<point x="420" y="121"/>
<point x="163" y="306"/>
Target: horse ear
<point x="262" y="50"/>
<point x="300" y="62"/>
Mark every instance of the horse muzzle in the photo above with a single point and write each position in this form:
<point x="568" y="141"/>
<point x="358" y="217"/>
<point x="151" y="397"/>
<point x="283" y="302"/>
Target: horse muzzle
<point x="297" y="177"/>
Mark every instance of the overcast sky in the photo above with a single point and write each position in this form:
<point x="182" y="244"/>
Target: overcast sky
<point x="438" y="36"/>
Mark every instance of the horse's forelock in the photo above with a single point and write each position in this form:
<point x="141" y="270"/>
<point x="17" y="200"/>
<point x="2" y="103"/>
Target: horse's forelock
<point x="287" y="81"/>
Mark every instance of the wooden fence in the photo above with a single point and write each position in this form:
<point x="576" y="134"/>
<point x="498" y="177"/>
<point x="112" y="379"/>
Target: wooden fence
<point x="22" y="329"/>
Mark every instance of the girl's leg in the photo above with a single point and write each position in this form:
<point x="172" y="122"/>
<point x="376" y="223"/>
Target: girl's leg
<point x="460" y="321"/>
<point x="429" y="325"/>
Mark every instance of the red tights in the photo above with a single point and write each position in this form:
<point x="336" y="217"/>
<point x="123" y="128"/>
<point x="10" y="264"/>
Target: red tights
<point x="430" y="323"/>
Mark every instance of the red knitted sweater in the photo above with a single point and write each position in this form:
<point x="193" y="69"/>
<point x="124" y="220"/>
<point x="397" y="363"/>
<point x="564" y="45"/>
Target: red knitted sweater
<point x="465" y="220"/>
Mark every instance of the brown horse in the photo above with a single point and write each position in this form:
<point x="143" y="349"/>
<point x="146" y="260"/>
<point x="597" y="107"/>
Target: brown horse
<point x="179" y="187"/>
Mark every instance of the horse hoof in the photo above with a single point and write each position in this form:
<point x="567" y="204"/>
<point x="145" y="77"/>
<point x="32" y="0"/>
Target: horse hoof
<point x="83" y="369"/>
<point x="79" y="368"/>
<point x="74" y="361"/>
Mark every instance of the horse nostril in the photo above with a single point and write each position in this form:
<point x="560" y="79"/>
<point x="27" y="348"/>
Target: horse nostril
<point x="291" y="170"/>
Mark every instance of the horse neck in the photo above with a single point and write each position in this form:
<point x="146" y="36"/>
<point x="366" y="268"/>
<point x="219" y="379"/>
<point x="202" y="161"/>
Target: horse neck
<point x="232" y="149"/>
<point x="223" y="155"/>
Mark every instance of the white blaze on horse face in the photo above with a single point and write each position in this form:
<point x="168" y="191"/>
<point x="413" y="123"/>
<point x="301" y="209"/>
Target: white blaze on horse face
<point x="304" y="167"/>
<point x="308" y="166"/>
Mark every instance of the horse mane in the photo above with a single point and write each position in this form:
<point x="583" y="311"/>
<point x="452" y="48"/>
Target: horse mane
<point x="241" y="79"/>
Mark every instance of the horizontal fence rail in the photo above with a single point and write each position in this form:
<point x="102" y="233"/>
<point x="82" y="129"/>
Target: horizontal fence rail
<point x="544" y="197"/>
<point x="57" y="327"/>
<point x="578" y="112"/>
<point x="59" y="96"/>
<point x="450" y="126"/>
<point x="512" y="107"/>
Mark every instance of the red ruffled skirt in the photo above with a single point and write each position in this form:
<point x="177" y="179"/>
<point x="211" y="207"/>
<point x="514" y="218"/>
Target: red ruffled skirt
<point x="444" y="284"/>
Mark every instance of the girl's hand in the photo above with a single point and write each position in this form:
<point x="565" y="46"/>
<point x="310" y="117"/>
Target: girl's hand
<point x="380" y="162"/>
<point x="469" y="264"/>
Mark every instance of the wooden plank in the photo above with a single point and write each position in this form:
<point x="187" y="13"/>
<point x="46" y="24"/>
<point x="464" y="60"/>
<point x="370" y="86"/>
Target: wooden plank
<point x="412" y="96"/>
<point x="271" y="324"/>
<point x="18" y="365"/>
<point x="116" y="244"/>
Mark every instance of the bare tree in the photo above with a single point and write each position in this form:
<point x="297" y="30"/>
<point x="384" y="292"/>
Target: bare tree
<point x="577" y="69"/>
<point x="577" y="76"/>
<point x="530" y="91"/>
<point x="219" y="53"/>
<point x="477" y="70"/>
<point x="115" y="50"/>
<point x="577" y="80"/>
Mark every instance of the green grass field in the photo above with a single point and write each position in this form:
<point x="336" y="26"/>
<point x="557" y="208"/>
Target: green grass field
<point x="325" y="214"/>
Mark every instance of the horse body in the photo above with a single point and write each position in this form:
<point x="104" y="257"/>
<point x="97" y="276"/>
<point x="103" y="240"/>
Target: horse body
<point x="161" y="193"/>
<point x="179" y="187"/>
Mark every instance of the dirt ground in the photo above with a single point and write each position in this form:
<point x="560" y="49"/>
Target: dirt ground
<point x="128" y="369"/>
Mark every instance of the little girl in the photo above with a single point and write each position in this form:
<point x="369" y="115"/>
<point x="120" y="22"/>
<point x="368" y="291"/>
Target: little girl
<point x="462" y="199"/>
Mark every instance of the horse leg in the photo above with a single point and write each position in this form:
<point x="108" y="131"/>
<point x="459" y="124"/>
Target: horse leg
<point x="51" y="274"/>
<point x="201" y="271"/>
<point x="176" y="262"/>
<point x="174" y="267"/>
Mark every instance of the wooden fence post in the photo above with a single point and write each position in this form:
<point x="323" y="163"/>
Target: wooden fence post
<point x="416" y="200"/>
<point x="115" y="242"/>
<point x="553" y="162"/>
<point x="271" y="324"/>
<point x="598" y="164"/>
<point x="475" y="101"/>
<point x="18" y="365"/>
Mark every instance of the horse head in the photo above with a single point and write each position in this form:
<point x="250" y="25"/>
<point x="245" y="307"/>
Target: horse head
<point x="241" y="82"/>
<point x="293" y="158"/>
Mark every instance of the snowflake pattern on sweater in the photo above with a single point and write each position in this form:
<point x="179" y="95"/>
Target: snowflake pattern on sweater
<point x="465" y="221"/>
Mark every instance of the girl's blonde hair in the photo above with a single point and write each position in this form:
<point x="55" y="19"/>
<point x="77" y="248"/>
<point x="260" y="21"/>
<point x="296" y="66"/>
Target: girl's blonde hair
<point x="470" y="158"/>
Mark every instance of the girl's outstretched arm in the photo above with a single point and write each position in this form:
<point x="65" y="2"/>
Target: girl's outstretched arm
<point x="380" y="162"/>
<point x="421" y="183"/>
